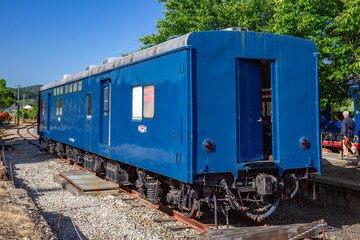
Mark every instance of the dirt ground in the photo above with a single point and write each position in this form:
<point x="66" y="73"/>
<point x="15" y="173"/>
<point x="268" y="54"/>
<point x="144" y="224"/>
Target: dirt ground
<point x="14" y="221"/>
<point x="19" y="217"/>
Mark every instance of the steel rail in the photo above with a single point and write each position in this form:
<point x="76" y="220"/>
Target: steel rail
<point x="28" y="131"/>
<point x="198" y="226"/>
<point x="24" y="138"/>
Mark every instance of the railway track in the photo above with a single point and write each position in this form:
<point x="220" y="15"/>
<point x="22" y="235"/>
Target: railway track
<point x="202" y="228"/>
<point x="198" y="226"/>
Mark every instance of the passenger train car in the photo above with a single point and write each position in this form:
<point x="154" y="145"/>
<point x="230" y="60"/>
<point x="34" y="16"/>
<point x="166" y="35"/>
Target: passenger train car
<point x="228" y="119"/>
<point x="330" y="123"/>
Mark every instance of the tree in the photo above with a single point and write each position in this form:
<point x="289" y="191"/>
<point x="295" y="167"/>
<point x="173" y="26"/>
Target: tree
<point x="6" y="95"/>
<point x="333" y="25"/>
<point x="184" y="16"/>
<point x="24" y="113"/>
<point x="33" y="113"/>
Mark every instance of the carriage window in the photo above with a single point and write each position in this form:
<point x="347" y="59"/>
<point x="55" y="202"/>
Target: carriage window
<point x="60" y="106"/>
<point x="70" y="88"/>
<point x="57" y="107"/>
<point x="54" y="91"/>
<point x="79" y="86"/>
<point x="75" y="87"/>
<point x="149" y="97"/>
<point x="57" y="91"/>
<point x="66" y="88"/>
<point x="88" y="114"/>
<point x="106" y="100"/>
<point x="137" y="103"/>
<point x="61" y="90"/>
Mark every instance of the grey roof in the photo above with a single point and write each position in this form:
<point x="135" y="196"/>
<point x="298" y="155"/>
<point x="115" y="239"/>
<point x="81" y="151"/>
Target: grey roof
<point x="160" y="48"/>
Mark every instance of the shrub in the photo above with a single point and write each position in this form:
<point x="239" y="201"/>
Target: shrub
<point x="5" y="117"/>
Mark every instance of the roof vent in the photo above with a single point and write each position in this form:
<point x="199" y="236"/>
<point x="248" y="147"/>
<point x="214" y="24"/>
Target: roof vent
<point x="67" y="76"/>
<point x="241" y="29"/>
<point x="110" y="59"/>
<point x="90" y="67"/>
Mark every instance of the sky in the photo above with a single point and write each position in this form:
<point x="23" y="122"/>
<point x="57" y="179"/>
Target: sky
<point x="41" y="40"/>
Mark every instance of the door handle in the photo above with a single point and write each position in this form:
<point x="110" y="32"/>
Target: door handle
<point x="178" y="158"/>
<point x="260" y="120"/>
<point x="173" y="135"/>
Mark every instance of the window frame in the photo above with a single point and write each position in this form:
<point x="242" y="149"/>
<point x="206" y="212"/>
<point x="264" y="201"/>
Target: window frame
<point x="153" y="115"/>
<point x="61" y="102"/>
<point x="57" y="107"/>
<point x="79" y="86"/>
<point x="137" y="117"/>
<point x="106" y="101"/>
<point x="88" y="106"/>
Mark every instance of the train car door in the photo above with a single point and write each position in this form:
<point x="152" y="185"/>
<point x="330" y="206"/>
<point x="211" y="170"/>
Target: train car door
<point x="250" y="128"/>
<point x="177" y="119"/>
<point x="105" y="109"/>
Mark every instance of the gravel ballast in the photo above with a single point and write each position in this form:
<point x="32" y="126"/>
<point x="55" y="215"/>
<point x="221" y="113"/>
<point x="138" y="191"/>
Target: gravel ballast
<point x="114" y="217"/>
<point x="93" y="217"/>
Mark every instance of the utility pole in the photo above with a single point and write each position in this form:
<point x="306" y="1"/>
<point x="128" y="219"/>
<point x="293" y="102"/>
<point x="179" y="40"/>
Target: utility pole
<point x="18" y="105"/>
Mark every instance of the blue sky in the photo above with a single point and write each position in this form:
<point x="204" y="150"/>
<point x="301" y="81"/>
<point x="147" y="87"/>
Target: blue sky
<point x="41" y="40"/>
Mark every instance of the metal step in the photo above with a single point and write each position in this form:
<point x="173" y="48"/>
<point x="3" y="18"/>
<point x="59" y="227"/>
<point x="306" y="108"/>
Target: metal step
<point x="86" y="181"/>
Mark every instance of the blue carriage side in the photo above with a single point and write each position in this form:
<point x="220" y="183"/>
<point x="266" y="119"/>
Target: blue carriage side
<point x="331" y="122"/>
<point x="230" y="110"/>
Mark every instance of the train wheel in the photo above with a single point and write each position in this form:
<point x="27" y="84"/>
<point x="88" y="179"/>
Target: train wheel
<point x="188" y="203"/>
<point x="191" y="212"/>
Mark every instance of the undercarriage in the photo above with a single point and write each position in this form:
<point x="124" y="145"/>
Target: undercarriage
<point x="255" y="193"/>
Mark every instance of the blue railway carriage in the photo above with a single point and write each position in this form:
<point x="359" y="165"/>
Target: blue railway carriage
<point x="228" y="118"/>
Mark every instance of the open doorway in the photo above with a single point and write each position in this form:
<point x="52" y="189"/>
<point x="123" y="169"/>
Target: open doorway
<point x="266" y="108"/>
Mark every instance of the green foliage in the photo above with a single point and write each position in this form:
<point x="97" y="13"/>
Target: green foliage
<point x="333" y="25"/>
<point x="33" y="113"/>
<point x="30" y="93"/>
<point x="124" y="54"/>
<point x="24" y="113"/>
<point x="184" y="16"/>
<point x="6" y="95"/>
